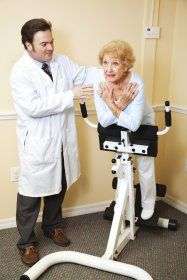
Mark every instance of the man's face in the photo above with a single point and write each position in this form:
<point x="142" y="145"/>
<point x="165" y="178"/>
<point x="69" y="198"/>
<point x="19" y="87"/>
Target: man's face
<point x="42" y="46"/>
<point x="114" y="69"/>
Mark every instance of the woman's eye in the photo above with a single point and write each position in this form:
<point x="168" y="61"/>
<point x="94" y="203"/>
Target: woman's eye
<point x="115" y="63"/>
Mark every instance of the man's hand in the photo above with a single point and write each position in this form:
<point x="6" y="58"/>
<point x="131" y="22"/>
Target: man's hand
<point x="82" y="92"/>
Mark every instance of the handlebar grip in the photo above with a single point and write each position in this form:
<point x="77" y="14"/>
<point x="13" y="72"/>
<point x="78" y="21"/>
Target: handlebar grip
<point x="168" y="121"/>
<point x="83" y="110"/>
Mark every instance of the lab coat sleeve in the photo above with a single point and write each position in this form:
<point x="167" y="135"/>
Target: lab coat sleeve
<point x="131" y="117"/>
<point x="34" y="105"/>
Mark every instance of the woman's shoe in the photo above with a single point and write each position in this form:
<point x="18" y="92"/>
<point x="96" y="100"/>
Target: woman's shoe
<point x="147" y="213"/>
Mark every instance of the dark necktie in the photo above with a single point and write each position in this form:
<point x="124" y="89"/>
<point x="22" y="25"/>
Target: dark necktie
<point x="45" y="68"/>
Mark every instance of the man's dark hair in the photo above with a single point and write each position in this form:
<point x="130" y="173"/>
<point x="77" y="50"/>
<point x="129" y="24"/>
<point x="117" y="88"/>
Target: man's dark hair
<point x="31" y="27"/>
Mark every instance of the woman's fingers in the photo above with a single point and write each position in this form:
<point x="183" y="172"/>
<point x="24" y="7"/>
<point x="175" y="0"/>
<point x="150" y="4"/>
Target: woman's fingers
<point x="107" y="93"/>
<point x="132" y="88"/>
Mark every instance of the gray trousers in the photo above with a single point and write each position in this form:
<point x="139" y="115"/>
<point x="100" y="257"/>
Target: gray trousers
<point x="28" y="210"/>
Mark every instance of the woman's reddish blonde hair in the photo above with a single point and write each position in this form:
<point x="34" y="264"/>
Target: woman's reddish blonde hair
<point x="118" y="49"/>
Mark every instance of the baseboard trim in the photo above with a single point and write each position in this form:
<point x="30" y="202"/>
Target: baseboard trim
<point x="67" y="212"/>
<point x="179" y="205"/>
<point x="92" y="208"/>
<point x="7" y="116"/>
<point x="4" y="116"/>
<point x="7" y="223"/>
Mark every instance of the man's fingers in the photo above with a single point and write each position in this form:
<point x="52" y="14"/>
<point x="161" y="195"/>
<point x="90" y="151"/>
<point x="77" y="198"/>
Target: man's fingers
<point x="82" y="100"/>
<point x="88" y="90"/>
<point x="83" y="92"/>
<point x="87" y="86"/>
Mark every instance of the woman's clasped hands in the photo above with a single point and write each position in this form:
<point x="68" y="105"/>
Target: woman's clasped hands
<point x="117" y="97"/>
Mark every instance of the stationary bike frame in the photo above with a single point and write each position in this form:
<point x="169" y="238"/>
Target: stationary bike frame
<point x="124" y="210"/>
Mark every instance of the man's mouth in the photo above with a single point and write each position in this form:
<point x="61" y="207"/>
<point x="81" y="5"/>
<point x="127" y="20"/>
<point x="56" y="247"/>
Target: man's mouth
<point x="49" y="53"/>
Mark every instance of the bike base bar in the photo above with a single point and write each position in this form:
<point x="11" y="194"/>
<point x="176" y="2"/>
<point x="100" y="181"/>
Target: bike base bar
<point x="87" y="260"/>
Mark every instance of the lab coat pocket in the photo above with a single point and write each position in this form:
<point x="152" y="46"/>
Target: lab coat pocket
<point x="42" y="150"/>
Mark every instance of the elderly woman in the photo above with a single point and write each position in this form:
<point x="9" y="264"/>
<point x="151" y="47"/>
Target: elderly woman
<point x="121" y="101"/>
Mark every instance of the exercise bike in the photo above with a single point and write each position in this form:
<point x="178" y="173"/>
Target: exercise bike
<point x="125" y="223"/>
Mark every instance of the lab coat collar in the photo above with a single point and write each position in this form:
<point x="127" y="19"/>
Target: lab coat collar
<point x="34" y="63"/>
<point x="30" y="59"/>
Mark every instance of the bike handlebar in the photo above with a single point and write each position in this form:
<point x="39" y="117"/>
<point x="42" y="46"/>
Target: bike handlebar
<point x="168" y="119"/>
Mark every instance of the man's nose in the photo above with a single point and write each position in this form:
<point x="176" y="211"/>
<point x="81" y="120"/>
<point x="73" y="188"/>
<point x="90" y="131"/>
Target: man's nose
<point x="50" y="47"/>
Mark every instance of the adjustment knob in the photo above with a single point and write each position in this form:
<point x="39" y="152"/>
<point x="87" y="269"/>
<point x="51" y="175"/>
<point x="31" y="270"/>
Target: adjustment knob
<point x="113" y="160"/>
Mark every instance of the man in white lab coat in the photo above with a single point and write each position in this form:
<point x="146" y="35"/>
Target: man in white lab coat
<point x="43" y="88"/>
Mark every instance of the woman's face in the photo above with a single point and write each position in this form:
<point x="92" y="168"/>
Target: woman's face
<point x="114" y="69"/>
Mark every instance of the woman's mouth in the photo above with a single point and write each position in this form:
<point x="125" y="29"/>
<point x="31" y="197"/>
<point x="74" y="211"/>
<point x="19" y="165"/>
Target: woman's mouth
<point x="110" y="76"/>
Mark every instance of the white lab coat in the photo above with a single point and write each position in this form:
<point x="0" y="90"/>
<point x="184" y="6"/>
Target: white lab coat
<point x="45" y="123"/>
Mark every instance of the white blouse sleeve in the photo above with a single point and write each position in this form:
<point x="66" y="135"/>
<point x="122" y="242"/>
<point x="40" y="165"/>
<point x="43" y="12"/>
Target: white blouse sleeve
<point x="104" y="114"/>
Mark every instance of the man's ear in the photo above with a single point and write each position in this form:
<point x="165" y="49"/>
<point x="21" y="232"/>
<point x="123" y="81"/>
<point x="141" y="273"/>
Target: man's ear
<point x="29" y="46"/>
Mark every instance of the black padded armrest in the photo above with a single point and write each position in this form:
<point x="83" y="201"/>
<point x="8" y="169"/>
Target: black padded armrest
<point x="148" y="132"/>
<point x="145" y="135"/>
<point x="112" y="130"/>
<point x="144" y="132"/>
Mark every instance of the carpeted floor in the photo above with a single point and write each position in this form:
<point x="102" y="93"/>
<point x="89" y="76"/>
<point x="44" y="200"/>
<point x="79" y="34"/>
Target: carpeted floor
<point x="160" y="252"/>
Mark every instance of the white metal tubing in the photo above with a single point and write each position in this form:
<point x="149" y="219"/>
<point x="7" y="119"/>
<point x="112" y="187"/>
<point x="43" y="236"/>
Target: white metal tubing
<point x="164" y="223"/>
<point x="164" y="131"/>
<point x="83" y="259"/>
<point x="121" y="201"/>
<point x="123" y="239"/>
<point x="116" y="166"/>
<point x="91" y="124"/>
<point x="131" y="198"/>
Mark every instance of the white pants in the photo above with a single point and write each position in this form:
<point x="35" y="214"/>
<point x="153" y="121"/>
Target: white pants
<point x="146" y="170"/>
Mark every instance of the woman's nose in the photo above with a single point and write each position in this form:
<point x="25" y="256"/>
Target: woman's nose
<point x="109" y="67"/>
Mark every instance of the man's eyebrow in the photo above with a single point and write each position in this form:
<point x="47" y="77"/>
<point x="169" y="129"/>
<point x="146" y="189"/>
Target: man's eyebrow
<point x="45" y="42"/>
